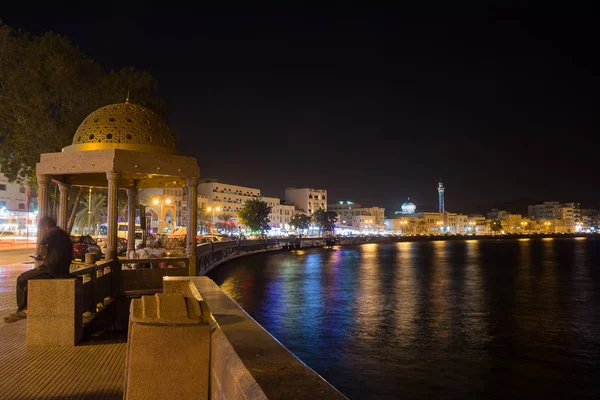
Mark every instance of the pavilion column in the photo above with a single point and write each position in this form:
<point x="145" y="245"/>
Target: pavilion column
<point x="42" y="197"/>
<point x="63" y="205"/>
<point x="112" y="220"/>
<point x="131" y="208"/>
<point x="143" y="225"/>
<point x="192" y="221"/>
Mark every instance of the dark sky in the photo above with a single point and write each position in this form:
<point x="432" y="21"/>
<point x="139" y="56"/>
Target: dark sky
<point x="374" y="105"/>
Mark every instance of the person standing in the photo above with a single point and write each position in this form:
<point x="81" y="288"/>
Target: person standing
<point x="57" y="255"/>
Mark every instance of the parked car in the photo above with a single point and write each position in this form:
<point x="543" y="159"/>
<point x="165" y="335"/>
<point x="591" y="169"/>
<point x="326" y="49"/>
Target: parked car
<point x="121" y="246"/>
<point x="83" y="245"/>
<point x="7" y="237"/>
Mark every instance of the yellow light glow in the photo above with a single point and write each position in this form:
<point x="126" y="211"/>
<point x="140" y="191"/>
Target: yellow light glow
<point x="155" y="201"/>
<point x="208" y="209"/>
<point x="218" y="209"/>
<point x="168" y="201"/>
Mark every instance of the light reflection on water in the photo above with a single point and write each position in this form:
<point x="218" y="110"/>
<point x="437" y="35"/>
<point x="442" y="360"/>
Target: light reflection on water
<point x="444" y="319"/>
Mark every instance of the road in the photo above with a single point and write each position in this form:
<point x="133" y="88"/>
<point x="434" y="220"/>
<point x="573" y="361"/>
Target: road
<point x="15" y="256"/>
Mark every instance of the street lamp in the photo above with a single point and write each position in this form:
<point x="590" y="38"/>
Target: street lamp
<point x="213" y="215"/>
<point x="473" y="229"/>
<point x="156" y="202"/>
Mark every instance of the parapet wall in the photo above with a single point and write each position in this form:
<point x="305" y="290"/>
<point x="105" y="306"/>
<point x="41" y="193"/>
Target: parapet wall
<point x="246" y="361"/>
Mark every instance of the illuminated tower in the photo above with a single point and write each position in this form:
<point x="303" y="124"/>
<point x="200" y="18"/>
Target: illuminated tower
<point x="441" y="195"/>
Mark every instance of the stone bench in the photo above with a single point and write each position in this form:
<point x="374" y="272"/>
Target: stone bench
<point x="54" y="312"/>
<point x="58" y="309"/>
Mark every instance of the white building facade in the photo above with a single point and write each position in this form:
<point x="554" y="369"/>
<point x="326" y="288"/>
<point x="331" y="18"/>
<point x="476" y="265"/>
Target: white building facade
<point x="564" y="215"/>
<point x="227" y="197"/>
<point x="280" y="215"/>
<point x="306" y="200"/>
<point x="353" y="216"/>
<point x="14" y="213"/>
<point x="13" y="196"/>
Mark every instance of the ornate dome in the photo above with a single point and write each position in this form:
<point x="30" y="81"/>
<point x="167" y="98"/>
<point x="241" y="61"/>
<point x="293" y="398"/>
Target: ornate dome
<point x="123" y="126"/>
<point x="408" y="207"/>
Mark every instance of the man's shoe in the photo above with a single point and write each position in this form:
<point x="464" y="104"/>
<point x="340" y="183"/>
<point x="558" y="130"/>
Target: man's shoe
<point x="15" y="317"/>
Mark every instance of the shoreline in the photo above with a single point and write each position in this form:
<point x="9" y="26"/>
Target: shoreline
<point x="221" y="256"/>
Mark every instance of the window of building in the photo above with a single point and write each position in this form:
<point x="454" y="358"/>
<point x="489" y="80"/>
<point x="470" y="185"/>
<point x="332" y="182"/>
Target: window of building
<point x="21" y="206"/>
<point x="2" y="186"/>
<point x="22" y="189"/>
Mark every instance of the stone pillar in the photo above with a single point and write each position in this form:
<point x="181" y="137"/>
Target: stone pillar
<point x="111" y="236"/>
<point x="131" y="208"/>
<point x="43" y="196"/>
<point x="192" y="221"/>
<point x="143" y="225"/>
<point x="112" y="220"/>
<point x="63" y="205"/>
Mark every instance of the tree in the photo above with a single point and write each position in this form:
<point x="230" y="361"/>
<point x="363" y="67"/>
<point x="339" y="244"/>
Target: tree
<point x="47" y="87"/>
<point x="226" y="224"/>
<point x="300" y="222"/>
<point x="325" y="220"/>
<point x="255" y="215"/>
<point x="495" y="225"/>
<point x="97" y="212"/>
<point x="204" y="219"/>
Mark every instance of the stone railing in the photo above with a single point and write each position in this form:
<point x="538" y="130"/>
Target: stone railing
<point x="58" y="309"/>
<point x="227" y="354"/>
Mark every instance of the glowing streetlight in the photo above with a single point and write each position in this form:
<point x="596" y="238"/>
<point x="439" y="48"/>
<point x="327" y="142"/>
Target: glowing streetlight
<point x="213" y="214"/>
<point x="156" y="202"/>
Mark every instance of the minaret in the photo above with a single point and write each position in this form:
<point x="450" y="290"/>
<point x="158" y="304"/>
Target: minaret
<point x="441" y="195"/>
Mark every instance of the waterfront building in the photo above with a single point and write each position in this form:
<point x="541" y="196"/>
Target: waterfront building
<point x="353" y="216"/>
<point x="306" y="200"/>
<point x="227" y="197"/>
<point x="479" y="225"/>
<point x="511" y="223"/>
<point x="590" y="219"/>
<point x="280" y="215"/>
<point x="568" y="214"/>
<point x="408" y="207"/>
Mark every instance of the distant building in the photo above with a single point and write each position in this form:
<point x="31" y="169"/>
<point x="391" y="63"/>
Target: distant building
<point x="13" y="196"/>
<point x="408" y="207"/>
<point x="353" y="216"/>
<point x="15" y="215"/>
<point x="281" y="214"/>
<point x="510" y="222"/>
<point x="225" y="196"/>
<point x="479" y="225"/>
<point x="306" y="200"/>
<point x="568" y="214"/>
<point x="432" y="223"/>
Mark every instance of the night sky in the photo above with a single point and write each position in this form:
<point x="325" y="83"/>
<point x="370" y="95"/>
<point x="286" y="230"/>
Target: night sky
<point x="374" y="105"/>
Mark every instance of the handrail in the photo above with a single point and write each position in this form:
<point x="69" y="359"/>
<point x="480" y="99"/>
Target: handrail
<point x="153" y="260"/>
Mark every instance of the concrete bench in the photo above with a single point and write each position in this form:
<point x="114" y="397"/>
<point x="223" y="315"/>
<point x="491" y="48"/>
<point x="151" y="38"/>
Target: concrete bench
<point x="54" y="312"/>
<point x="58" y="309"/>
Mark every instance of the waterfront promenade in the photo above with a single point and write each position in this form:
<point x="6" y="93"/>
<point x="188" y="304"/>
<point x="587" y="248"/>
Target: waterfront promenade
<point x="92" y="370"/>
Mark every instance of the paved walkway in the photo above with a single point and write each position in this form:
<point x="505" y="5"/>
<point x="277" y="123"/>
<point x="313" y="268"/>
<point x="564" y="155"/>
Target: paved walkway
<point x="91" y="370"/>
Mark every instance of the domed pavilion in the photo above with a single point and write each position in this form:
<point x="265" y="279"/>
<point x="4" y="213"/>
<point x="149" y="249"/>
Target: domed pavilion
<point x="120" y="146"/>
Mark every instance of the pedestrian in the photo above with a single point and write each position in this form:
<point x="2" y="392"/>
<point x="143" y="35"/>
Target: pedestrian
<point x="57" y="253"/>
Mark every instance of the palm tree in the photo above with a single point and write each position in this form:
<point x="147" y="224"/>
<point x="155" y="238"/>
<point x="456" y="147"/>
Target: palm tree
<point x="204" y="219"/>
<point x="97" y="212"/>
<point x="225" y="223"/>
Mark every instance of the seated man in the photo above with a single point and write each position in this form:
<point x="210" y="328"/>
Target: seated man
<point x="58" y="251"/>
